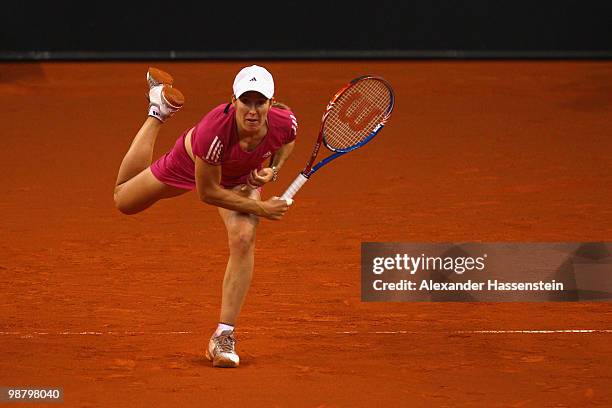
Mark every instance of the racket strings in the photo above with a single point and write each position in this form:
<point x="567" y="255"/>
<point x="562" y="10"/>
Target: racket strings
<point x="356" y="113"/>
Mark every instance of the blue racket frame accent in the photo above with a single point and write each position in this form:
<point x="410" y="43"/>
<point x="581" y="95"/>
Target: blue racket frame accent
<point x="342" y="152"/>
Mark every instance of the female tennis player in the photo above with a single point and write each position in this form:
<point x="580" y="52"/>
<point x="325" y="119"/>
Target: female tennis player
<point x="221" y="157"/>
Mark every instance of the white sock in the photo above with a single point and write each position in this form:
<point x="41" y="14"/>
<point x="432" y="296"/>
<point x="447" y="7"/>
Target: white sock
<point x="223" y="327"/>
<point x="155" y="112"/>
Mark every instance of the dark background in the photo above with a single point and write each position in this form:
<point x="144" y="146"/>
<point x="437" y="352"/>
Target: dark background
<point x="302" y="29"/>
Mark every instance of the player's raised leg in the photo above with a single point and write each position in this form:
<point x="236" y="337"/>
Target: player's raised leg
<point x="136" y="188"/>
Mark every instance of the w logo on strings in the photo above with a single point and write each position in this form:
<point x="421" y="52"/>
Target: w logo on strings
<point x="361" y="115"/>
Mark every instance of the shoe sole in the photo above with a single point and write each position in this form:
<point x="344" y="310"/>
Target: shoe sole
<point x="156" y="76"/>
<point x="173" y="97"/>
<point x="221" y="363"/>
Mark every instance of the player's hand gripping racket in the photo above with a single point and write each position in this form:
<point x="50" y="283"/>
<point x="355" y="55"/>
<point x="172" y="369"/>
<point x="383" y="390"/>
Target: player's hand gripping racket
<point x="352" y="118"/>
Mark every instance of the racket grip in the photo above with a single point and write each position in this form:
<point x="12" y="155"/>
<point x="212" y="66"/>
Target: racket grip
<point x="294" y="187"/>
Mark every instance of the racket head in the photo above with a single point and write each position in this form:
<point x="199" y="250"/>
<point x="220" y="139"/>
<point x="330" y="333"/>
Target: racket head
<point x="356" y="113"/>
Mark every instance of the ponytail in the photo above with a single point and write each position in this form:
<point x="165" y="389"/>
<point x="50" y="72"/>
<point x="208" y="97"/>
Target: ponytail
<point x="280" y="105"/>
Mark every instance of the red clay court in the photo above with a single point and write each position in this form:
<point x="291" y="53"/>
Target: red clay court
<point x="117" y="310"/>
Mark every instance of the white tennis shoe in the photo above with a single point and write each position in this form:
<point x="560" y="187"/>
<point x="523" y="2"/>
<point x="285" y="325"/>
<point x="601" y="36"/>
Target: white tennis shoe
<point x="221" y="350"/>
<point x="164" y="100"/>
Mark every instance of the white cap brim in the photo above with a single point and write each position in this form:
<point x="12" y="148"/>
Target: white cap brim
<point x="262" y="90"/>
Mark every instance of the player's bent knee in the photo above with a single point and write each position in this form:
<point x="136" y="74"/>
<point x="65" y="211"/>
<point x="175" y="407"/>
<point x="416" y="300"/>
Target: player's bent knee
<point x="127" y="210"/>
<point x="124" y="205"/>
<point x="123" y="208"/>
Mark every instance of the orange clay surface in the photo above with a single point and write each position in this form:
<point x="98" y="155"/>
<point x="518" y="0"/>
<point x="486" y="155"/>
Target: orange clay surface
<point x="117" y="309"/>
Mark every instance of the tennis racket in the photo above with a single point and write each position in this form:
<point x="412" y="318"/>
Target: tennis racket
<point x="356" y="113"/>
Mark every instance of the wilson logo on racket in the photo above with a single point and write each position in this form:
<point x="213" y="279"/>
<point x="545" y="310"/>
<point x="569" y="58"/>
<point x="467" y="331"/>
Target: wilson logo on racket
<point x="359" y="117"/>
<point x="355" y="114"/>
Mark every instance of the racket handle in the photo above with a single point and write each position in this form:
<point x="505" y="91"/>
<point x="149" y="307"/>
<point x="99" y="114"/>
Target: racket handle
<point x="294" y="187"/>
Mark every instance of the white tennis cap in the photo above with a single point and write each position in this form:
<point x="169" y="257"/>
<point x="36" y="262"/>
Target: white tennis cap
<point x="254" y="78"/>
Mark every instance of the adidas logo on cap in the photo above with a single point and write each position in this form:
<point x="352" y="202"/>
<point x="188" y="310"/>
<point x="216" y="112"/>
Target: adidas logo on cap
<point x="254" y="78"/>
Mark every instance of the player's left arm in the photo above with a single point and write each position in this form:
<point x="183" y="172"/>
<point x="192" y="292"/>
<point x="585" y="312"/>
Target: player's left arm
<point x="267" y="174"/>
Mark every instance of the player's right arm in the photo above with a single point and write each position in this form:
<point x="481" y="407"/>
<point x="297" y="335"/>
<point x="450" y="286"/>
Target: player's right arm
<point x="210" y="191"/>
